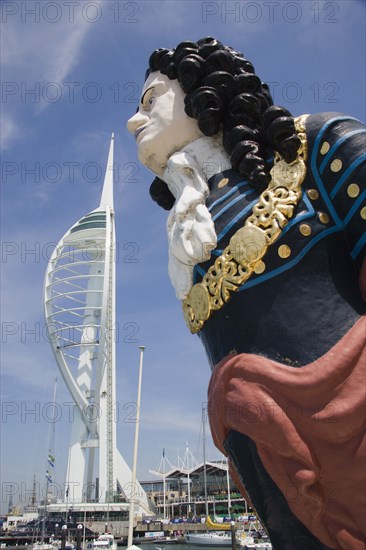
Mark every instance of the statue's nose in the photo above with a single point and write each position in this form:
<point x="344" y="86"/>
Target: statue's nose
<point x="136" y="121"/>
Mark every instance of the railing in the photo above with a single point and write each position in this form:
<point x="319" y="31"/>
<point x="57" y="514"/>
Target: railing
<point x="199" y="500"/>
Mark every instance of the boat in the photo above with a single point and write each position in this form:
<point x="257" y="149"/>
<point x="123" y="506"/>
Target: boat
<point x="167" y="540"/>
<point x="258" y="546"/>
<point x="105" y="541"/>
<point x="53" y="544"/>
<point x="245" y="540"/>
<point x="156" y="540"/>
<point x="210" y="538"/>
<point x="251" y="539"/>
<point x="217" y="526"/>
<point x="213" y="538"/>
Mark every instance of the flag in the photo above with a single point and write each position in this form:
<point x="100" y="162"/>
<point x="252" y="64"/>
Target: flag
<point x="67" y="491"/>
<point x="51" y="460"/>
<point x="48" y="476"/>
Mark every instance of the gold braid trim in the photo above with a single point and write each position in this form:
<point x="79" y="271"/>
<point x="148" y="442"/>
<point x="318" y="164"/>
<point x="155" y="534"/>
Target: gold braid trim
<point x="241" y="258"/>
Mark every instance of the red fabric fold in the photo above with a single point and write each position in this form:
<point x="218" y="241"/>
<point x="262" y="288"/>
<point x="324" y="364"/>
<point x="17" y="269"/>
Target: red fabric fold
<point x="309" y="427"/>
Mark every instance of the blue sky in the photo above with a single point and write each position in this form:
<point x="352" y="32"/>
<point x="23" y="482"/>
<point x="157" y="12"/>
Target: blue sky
<point x="71" y="74"/>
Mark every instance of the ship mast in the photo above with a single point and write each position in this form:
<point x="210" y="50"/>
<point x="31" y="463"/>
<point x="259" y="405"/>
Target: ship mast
<point x="50" y="460"/>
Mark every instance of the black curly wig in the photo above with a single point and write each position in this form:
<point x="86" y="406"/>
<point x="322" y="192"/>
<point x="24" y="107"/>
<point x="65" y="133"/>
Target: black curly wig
<point x="224" y="93"/>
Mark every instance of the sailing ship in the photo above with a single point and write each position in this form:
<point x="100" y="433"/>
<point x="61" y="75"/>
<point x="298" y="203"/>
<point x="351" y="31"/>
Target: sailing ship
<point x="248" y="539"/>
<point x="218" y="537"/>
<point x="105" y="541"/>
<point x="215" y="538"/>
<point x="42" y="544"/>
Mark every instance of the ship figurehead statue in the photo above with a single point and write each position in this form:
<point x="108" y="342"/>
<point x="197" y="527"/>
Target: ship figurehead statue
<point x="266" y="235"/>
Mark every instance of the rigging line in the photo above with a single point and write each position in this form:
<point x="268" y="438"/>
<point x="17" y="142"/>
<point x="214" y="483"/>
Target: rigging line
<point x="34" y="462"/>
<point x="53" y="422"/>
<point x="199" y="448"/>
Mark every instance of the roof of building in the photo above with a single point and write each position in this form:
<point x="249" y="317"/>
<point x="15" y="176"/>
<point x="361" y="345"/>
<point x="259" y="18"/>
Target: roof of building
<point x="214" y="467"/>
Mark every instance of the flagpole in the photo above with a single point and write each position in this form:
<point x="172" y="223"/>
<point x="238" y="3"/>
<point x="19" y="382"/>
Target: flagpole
<point x="164" y="487"/>
<point x="50" y="459"/>
<point x="133" y="484"/>
<point x="68" y="484"/>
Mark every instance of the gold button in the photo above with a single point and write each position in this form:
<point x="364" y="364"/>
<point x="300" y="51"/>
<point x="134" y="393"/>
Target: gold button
<point x="305" y="229"/>
<point x="323" y="217"/>
<point x="313" y="194"/>
<point x="363" y="213"/>
<point x="324" y="148"/>
<point x="353" y="190"/>
<point x="260" y="267"/>
<point x="336" y="165"/>
<point x="284" y="251"/>
<point x="223" y="182"/>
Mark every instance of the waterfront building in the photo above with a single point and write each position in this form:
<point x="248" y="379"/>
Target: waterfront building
<point x="181" y="491"/>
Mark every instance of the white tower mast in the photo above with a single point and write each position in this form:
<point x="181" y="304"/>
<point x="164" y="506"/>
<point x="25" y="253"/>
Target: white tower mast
<point x="80" y="316"/>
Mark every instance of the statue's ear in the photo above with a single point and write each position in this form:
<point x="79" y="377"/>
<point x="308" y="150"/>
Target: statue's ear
<point x="160" y="193"/>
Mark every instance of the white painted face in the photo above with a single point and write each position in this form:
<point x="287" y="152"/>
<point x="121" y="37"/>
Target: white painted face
<point x="161" y="127"/>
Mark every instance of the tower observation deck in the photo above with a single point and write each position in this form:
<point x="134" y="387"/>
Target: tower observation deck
<point x="79" y="298"/>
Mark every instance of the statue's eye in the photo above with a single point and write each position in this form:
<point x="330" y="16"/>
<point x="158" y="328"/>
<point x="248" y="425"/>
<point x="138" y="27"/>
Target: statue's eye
<point x="148" y="102"/>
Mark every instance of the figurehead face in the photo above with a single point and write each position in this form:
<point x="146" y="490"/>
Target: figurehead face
<point x="202" y="101"/>
<point x="161" y="126"/>
<point x="207" y="88"/>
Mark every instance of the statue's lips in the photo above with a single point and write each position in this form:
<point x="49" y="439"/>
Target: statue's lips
<point x="139" y="130"/>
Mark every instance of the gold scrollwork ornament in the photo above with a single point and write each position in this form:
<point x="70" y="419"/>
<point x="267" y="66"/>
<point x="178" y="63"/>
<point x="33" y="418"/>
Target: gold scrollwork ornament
<point x="242" y="257"/>
<point x="288" y="175"/>
<point x="248" y="245"/>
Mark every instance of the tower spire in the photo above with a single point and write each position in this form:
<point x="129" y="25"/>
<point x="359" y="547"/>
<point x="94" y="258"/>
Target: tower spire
<point x="107" y="192"/>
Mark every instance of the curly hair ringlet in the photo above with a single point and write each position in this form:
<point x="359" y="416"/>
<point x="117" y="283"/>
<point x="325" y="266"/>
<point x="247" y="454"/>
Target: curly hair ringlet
<point x="223" y="93"/>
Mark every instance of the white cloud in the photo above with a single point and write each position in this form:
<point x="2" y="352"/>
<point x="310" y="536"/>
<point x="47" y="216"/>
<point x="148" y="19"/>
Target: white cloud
<point x="34" y="54"/>
<point x="9" y="131"/>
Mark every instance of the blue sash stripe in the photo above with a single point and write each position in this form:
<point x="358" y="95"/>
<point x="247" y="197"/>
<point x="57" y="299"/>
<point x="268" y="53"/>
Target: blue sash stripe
<point x="354" y="208"/>
<point x="289" y="264"/>
<point x="241" y="214"/>
<point x="310" y="213"/>
<point x="335" y="147"/>
<point x="315" y="171"/>
<point x="358" y="246"/>
<point x="231" y="203"/>
<point x="349" y="171"/>
<point x="228" y="194"/>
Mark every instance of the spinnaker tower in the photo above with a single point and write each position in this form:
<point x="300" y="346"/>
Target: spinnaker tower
<point x="79" y="297"/>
